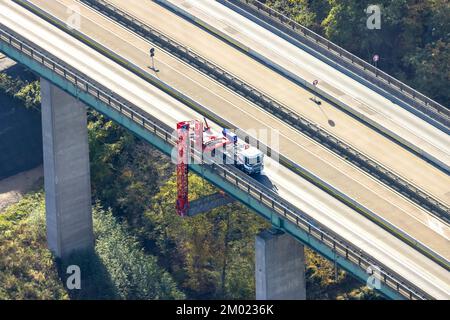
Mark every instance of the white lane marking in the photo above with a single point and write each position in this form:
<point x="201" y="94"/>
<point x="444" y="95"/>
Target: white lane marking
<point x="324" y="207"/>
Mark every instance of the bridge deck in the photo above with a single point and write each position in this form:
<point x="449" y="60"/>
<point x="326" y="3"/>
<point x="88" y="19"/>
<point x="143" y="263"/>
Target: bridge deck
<point x="299" y="148"/>
<point x="380" y="244"/>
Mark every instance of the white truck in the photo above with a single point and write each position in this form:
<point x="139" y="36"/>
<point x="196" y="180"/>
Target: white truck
<point x="246" y="157"/>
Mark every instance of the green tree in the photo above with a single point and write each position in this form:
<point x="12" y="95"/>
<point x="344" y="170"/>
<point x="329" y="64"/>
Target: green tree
<point x="211" y="255"/>
<point x="30" y="94"/>
<point x="134" y="274"/>
<point x="26" y="91"/>
<point x="301" y="11"/>
<point x="118" y="269"/>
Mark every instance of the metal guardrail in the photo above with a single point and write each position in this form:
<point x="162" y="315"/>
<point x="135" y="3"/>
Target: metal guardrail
<point x="234" y="177"/>
<point x="362" y="68"/>
<point x="283" y="112"/>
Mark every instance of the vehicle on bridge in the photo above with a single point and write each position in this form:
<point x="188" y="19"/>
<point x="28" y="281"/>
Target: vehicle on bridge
<point x="225" y="147"/>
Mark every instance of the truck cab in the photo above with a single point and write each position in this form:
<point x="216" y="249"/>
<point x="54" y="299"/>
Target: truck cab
<point x="247" y="158"/>
<point x="250" y="160"/>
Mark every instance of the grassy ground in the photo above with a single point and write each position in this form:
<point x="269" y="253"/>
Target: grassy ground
<point x="117" y="269"/>
<point x="27" y="268"/>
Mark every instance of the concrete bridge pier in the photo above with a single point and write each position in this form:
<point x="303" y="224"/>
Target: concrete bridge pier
<point x="66" y="172"/>
<point x="279" y="267"/>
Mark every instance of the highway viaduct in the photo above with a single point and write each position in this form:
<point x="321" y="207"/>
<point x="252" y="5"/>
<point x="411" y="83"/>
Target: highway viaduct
<point x="334" y="228"/>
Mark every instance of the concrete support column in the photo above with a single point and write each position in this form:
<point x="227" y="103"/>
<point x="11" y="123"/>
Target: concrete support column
<point x="66" y="171"/>
<point x="280" y="267"/>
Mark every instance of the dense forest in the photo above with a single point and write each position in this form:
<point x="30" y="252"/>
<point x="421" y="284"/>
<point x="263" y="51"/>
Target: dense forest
<point x="143" y="249"/>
